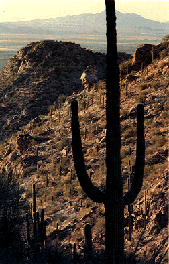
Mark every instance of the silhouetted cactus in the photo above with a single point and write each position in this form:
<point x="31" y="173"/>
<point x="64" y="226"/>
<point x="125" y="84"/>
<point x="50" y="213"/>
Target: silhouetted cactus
<point x="39" y="227"/>
<point x="34" y="198"/>
<point x="88" y="242"/>
<point x="152" y="52"/>
<point x="112" y="197"/>
<point x="126" y="89"/>
<point x="74" y="254"/>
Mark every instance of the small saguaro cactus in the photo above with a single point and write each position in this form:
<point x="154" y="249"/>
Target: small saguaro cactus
<point x="152" y="53"/>
<point x="112" y="197"/>
<point x="88" y="241"/>
<point x="39" y="227"/>
<point x="34" y="197"/>
<point x="39" y="231"/>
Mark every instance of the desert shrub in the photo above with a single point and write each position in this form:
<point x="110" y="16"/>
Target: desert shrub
<point x="52" y="108"/>
<point x="153" y="85"/>
<point x="133" y="73"/>
<point x="70" y="190"/>
<point x="126" y="67"/>
<point x="61" y="144"/>
<point x="61" y="99"/>
<point x="149" y="77"/>
<point x="124" y="114"/>
<point x="165" y="38"/>
<point x="159" y="141"/>
<point x="83" y="104"/>
<point x="140" y="99"/>
<point x="164" y="115"/>
<point x="64" y="164"/>
<point x="3" y="147"/>
<point x="163" y="53"/>
<point x="166" y="83"/>
<point x="101" y="85"/>
<point x="99" y="225"/>
<point x="151" y="97"/>
<point x="42" y="172"/>
<point x="59" y="191"/>
<point x="87" y="117"/>
<point x="130" y="132"/>
<point x="147" y="122"/>
<point x="164" y="63"/>
<point x="158" y="107"/>
<point x="28" y="192"/>
<point x="29" y="170"/>
<point x="143" y="86"/>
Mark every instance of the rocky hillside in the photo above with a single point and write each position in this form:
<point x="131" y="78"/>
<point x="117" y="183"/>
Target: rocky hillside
<point x="44" y="156"/>
<point x="38" y="74"/>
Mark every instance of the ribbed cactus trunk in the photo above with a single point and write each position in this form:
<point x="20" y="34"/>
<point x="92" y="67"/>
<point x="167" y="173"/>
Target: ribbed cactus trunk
<point x="114" y="204"/>
<point x="112" y="198"/>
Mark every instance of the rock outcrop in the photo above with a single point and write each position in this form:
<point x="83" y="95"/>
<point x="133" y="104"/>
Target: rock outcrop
<point x="147" y="52"/>
<point x="143" y="54"/>
<point x="38" y="74"/>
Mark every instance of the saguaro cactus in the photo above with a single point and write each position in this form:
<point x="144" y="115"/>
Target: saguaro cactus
<point x="112" y="197"/>
<point x="88" y="241"/>
<point x="39" y="227"/>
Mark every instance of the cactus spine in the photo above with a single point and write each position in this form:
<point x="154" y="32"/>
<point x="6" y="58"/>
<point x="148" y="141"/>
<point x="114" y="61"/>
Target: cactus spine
<point x="112" y="198"/>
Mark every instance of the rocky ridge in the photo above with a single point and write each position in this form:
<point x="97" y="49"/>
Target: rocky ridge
<point x="38" y="74"/>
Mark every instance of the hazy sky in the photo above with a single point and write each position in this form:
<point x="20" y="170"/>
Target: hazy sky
<point x="19" y="10"/>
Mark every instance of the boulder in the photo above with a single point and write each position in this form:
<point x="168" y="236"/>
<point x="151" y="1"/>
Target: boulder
<point x="64" y="153"/>
<point x="131" y="78"/>
<point x="89" y="77"/>
<point x="161" y="220"/>
<point x="143" y="54"/>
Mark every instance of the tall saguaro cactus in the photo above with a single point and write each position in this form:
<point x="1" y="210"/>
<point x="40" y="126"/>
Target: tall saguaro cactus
<point x="112" y="197"/>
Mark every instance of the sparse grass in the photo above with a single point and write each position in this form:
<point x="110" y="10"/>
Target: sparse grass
<point x="163" y="53"/>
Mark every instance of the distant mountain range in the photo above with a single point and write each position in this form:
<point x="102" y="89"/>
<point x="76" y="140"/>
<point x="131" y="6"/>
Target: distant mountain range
<point x="127" y="24"/>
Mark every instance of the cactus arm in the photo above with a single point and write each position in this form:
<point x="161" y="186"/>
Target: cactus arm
<point x="92" y="191"/>
<point x="137" y="182"/>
